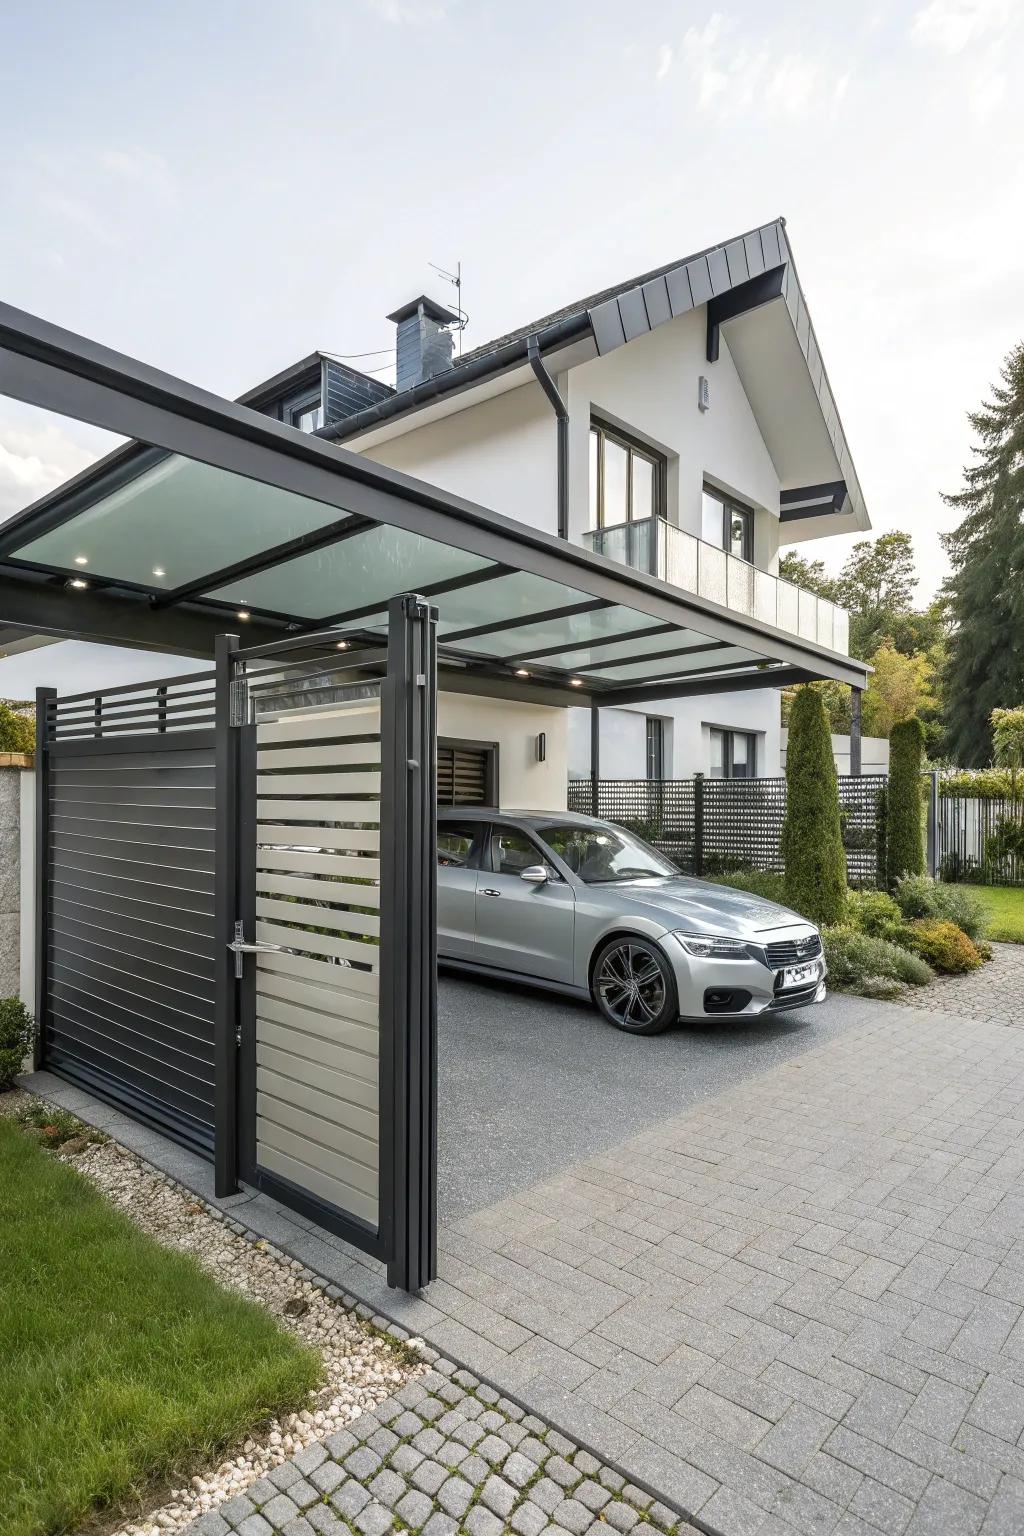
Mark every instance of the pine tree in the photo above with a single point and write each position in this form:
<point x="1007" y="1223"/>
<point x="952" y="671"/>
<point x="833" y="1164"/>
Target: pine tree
<point x="985" y="665"/>
<point x="812" y="840"/>
<point x="904" y="846"/>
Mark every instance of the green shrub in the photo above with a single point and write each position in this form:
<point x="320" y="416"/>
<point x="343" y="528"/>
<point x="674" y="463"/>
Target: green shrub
<point x="812" y="843"/>
<point x="52" y="1126"/>
<point x="904" y="848"/>
<point x="16" y="1034"/>
<point x="876" y="913"/>
<point x="977" y="783"/>
<point x="17" y="731"/>
<point x="856" y="961"/>
<point x="759" y="882"/>
<point x="943" y="945"/>
<point x="919" y="896"/>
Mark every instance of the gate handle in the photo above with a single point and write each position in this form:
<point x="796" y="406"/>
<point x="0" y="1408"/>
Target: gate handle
<point x="239" y="948"/>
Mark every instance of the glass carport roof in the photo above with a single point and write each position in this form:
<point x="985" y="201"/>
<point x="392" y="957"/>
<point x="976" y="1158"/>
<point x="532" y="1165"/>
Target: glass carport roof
<point x="214" y="511"/>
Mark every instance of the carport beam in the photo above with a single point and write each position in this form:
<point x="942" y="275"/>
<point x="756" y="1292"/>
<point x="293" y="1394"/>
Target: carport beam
<point x="855" y="734"/>
<point x="225" y="1041"/>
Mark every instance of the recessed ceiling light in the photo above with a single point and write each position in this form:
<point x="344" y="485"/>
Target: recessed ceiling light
<point x="158" y="570"/>
<point x="521" y="672"/>
<point x="342" y="645"/>
<point x="81" y="559"/>
<point x="243" y="614"/>
<point x="575" y="682"/>
<point x="78" y="584"/>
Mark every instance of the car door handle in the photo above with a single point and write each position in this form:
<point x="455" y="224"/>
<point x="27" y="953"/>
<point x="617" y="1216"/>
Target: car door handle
<point x="490" y="891"/>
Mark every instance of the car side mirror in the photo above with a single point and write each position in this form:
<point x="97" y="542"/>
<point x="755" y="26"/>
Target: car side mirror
<point x="534" y="874"/>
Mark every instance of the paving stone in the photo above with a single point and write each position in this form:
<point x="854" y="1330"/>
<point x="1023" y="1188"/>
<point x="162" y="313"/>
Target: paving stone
<point x="427" y="1441"/>
<point x="237" y="1509"/>
<point x="384" y="1442"/>
<point x="214" y="1524"/>
<point x="663" y="1516"/>
<point x="481" y="1522"/>
<point x="440" y="1524"/>
<point x="300" y="1526"/>
<point x="528" y="1518"/>
<point x="280" y="1510"/>
<point x="493" y="1449"/>
<point x="573" y="1516"/>
<point x="455" y="1496"/>
<point x="547" y="1494"/>
<point x="406" y="1459"/>
<point x="374" y="1520"/>
<point x="429" y="1476"/>
<point x="943" y="1509"/>
<point x="324" y="1521"/>
<point x="414" y="1509"/>
<point x="263" y="1490"/>
<point x="303" y="1493"/>
<point x="880" y="1506"/>
<point x="468" y="1433"/>
<point x="559" y="1444"/>
<point x="637" y="1497"/>
<point x="388" y="1487"/>
<point x="309" y="1458"/>
<point x="519" y="1470"/>
<point x="431" y="1410"/>
<point x="790" y="1444"/>
<point x="326" y="1478"/>
<point x="362" y="1463"/>
<point x="474" y="1469"/>
<point x="586" y="1463"/>
<point x="499" y="1496"/>
<point x="589" y="1493"/>
<point x="620" y="1516"/>
<point x="255" y="1525"/>
<point x="451" y="1453"/>
<point x="557" y="1468"/>
<point x="337" y="1445"/>
<point x="349" y="1499"/>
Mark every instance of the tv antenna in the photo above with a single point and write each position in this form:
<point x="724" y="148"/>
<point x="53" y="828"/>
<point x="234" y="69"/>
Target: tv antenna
<point x="455" y="278"/>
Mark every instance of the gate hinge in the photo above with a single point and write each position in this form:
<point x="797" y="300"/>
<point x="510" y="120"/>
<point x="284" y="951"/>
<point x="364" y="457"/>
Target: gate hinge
<point x="238" y="702"/>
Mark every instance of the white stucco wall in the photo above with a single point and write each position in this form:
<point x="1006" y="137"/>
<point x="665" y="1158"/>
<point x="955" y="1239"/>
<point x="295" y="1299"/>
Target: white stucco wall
<point x="524" y="783"/>
<point x="688" y="725"/>
<point x="874" y="753"/>
<point x="500" y="453"/>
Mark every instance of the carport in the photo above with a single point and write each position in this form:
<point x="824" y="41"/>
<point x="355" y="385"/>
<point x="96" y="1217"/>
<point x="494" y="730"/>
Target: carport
<point x="308" y="755"/>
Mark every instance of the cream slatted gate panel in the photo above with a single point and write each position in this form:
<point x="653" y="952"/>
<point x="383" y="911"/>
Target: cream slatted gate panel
<point x="318" y="785"/>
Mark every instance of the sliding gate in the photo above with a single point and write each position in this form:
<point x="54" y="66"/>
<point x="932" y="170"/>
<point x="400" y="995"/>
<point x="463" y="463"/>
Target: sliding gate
<point x="328" y="932"/>
<point x="236" y="920"/>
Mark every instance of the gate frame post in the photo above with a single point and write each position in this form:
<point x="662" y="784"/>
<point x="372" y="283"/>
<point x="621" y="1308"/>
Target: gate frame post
<point x="225" y="1038"/>
<point x="934" y="853"/>
<point x="698" y="824"/>
<point x="408" y="972"/>
<point x="42" y="875"/>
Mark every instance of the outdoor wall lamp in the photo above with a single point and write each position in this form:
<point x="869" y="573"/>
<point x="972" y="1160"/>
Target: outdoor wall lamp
<point x="542" y="746"/>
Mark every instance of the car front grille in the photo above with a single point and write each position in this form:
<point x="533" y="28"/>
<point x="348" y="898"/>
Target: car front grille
<point x="793" y="951"/>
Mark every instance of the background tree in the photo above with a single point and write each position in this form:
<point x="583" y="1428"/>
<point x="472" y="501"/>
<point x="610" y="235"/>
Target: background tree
<point x="810" y="574"/>
<point x="900" y="686"/>
<point x="904" y="844"/>
<point x="876" y="586"/>
<point x="1008" y="744"/>
<point x="812" y="841"/>
<point x="985" y="593"/>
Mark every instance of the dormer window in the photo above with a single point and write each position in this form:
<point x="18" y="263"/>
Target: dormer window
<point x="626" y="478"/>
<point x="727" y="523"/>
<point x="307" y="413"/>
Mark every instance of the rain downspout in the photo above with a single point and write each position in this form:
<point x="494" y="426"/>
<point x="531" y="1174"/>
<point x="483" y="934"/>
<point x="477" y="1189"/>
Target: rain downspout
<point x="560" y="409"/>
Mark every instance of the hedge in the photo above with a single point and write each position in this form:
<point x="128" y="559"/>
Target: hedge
<point x="904" y="844"/>
<point x="812" y="839"/>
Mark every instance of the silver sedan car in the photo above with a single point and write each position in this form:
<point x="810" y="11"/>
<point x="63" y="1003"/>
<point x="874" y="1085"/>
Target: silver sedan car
<point x="580" y="906"/>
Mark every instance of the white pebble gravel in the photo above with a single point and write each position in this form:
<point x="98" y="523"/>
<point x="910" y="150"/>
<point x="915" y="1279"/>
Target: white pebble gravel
<point x="361" y="1368"/>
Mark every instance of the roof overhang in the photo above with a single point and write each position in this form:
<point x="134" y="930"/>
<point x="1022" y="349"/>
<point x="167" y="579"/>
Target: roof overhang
<point x="223" y="507"/>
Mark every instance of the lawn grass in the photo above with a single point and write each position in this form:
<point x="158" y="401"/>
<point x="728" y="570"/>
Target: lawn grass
<point x="121" y="1363"/>
<point x="1005" y="905"/>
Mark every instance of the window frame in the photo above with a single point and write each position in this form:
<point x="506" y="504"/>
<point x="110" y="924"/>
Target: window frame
<point x="491" y="752"/>
<point x="728" y="734"/>
<point x="634" y="447"/>
<point x="655" y="738"/>
<point x="474" y="860"/>
<point x="495" y="830"/>
<point x="731" y="506"/>
<point x="300" y="405"/>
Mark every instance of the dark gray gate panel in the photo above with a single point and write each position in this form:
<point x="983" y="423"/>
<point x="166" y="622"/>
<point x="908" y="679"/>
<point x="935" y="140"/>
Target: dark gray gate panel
<point x="127" y="945"/>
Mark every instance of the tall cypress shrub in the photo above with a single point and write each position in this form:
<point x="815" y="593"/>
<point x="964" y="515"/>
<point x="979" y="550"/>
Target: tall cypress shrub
<point x="904" y="844"/>
<point x="812" y="839"/>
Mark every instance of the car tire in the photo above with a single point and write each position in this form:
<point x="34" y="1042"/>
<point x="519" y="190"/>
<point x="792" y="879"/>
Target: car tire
<point x="633" y="986"/>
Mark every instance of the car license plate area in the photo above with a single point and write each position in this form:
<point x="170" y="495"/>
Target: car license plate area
<point x="797" y="976"/>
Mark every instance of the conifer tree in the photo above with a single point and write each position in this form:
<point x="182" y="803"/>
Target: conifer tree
<point x="812" y="840"/>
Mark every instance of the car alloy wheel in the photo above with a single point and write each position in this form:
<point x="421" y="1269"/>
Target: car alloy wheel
<point x="634" y="987"/>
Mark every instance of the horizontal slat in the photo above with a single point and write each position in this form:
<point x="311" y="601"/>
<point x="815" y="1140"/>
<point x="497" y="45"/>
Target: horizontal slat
<point x="120" y="935"/>
<point x="185" y="1053"/>
<point x="336" y="811"/>
<point x="334" y="864"/>
<point x="350" y="1176"/>
<point x="151" y="684"/>
<point x="291" y="1109"/>
<point x="337" y="891"/>
<point x="119" y="749"/>
<point x="107" y="951"/>
<point x="332" y="1016"/>
<point x="340" y="918"/>
<point x="323" y="973"/>
<point x="310" y="838"/>
<point x="332" y="1069"/>
<point x="198" y="1102"/>
<point x="318" y="943"/>
<point x="174" y="878"/>
<point x="342" y="785"/>
<point x="84" y="789"/>
<point x="189" y="932"/>
<point x="157" y="896"/>
<point x="344" y="1198"/>
<point x="118" y="832"/>
<point x="321" y="728"/>
<point x="127" y="812"/>
<point x="177" y="1011"/>
<point x="337" y="755"/>
<point x="197" y="858"/>
<point x="321" y="1100"/>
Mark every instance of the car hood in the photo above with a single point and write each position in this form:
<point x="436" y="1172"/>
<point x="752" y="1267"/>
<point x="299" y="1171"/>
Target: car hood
<point x="699" y="906"/>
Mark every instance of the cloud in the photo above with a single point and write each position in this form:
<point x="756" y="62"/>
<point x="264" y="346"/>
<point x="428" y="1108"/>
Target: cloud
<point x="665" y="57"/>
<point x="950" y="26"/>
<point x="733" y="74"/>
<point x="34" y="459"/>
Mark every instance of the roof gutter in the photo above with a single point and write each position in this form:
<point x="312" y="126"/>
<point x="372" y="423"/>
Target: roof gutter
<point x="561" y="411"/>
<point x="460" y="377"/>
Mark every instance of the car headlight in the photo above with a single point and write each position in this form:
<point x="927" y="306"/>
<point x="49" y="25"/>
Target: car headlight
<point x="713" y="947"/>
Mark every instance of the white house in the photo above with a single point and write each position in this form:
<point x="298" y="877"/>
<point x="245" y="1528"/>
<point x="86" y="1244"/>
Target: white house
<point x="680" y="422"/>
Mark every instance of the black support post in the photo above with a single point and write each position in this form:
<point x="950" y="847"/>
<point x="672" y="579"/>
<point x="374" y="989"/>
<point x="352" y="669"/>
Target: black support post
<point x="698" y="823"/>
<point x="42" y="873"/>
<point x="408" y="968"/>
<point x="855" y="733"/>
<point x="225" y="1043"/>
<point x="595" y="756"/>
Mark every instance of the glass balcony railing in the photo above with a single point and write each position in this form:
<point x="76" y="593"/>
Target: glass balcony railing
<point x="654" y="545"/>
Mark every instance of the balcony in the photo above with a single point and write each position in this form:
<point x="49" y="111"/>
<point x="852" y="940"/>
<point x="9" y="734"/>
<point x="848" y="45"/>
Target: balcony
<point x="654" y="545"/>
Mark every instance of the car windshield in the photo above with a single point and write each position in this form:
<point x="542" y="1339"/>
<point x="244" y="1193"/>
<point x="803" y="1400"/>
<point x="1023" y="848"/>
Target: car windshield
<point x="601" y="854"/>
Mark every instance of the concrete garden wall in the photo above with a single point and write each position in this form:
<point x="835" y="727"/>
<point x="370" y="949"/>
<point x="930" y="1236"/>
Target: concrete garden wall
<point x="17" y="875"/>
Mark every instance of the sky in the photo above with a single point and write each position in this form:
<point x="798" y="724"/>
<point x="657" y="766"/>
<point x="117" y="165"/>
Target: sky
<point x="220" y="188"/>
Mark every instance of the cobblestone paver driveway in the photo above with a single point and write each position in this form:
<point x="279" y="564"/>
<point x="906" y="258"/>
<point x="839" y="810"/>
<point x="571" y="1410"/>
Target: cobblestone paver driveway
<point x="995" y="992"/>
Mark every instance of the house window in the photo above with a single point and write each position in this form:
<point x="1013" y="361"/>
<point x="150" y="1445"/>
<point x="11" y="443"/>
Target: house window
<point x="626" y="479"/>
<point x="307" y="414"/>
<point x="733" y="754"/>
<point x="727" y="523"/>
<point x="655" y="747"/>
<point x="467" y="772"/>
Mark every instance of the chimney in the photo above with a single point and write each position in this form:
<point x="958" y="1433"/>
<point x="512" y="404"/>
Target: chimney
<point x="424" y="346"/>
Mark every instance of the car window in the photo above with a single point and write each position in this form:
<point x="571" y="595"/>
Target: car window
<point x="598" y="854"/>
<point x="512" y="852"/>
<point x="458" y="844"/>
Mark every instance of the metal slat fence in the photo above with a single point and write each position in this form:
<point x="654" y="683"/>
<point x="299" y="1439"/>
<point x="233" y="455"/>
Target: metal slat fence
<point x="710" y="826"/>
<point x="981" y="840"/>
